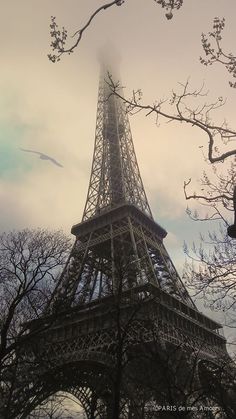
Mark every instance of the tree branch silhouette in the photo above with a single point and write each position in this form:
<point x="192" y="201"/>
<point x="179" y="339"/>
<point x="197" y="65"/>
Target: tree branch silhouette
<point x="59" y="36"/>
<point x="215" y="53"/>
<point x="199" y="116"/>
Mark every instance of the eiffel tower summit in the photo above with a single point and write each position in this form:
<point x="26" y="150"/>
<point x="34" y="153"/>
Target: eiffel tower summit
<point x="121" y="332"/>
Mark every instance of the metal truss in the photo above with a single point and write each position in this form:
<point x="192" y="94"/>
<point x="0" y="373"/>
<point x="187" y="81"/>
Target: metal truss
<point x="127" y="244"/>
<point x="134" y="239"/>
<point x="115" y="176"/>
<point x="77" y="353"/>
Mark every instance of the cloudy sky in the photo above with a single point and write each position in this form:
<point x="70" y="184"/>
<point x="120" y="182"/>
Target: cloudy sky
<point x="52" y="107"/>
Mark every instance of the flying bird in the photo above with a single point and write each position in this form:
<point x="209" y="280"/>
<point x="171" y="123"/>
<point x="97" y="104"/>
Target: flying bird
<point x="42" y="156"/>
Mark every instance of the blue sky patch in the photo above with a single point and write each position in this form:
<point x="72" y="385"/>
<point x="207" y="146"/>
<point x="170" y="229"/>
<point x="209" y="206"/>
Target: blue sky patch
<point x="13" y="162"/>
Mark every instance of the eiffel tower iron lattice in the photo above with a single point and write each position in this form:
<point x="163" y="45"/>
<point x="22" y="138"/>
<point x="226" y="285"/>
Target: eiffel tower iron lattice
<point x="116" y="211"/>
<point x="119" y="298"/>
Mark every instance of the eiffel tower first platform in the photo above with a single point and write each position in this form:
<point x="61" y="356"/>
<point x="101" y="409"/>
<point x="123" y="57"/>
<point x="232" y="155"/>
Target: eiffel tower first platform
<point x="121" y="332"/>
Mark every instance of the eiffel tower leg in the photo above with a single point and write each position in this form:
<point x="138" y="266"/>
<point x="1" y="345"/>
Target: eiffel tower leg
<point x="135" y="250"/>
<point x="93" y="407"/>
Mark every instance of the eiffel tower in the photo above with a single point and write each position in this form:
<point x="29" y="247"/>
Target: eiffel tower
<point x="120" y="325"/>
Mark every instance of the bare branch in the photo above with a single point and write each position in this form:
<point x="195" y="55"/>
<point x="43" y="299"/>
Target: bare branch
<point x="215" y="53"/>
<point x="216" y="194"/>
<point x="199" y="117"/>
<point x="59" y="36"/>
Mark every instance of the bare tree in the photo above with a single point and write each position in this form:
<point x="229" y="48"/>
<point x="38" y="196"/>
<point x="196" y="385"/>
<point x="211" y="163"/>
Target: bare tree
<point x="211" y="271"/>
<point x="30" y="262"/>
<point x="211" y="268"/>
<point x="180" y="383"/>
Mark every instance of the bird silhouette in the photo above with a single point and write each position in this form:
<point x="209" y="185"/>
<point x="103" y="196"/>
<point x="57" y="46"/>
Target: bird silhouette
<point x="42" y="156"/>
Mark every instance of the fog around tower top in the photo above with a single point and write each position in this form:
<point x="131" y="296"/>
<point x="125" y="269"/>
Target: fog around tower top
<point x="109" y="59"/>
